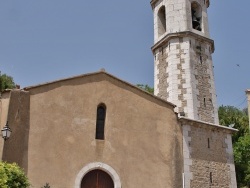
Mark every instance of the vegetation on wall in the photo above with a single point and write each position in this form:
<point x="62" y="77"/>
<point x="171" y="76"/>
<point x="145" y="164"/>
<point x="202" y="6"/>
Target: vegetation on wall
<point x="146" y="88"/>
<point x="6" y="82"/>
<point x="230" y="115"/>
<point x="12" y="176"/>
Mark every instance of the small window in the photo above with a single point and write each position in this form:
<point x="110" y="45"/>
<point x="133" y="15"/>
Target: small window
<point x="161" y="21"/>
<point x="196" y="16"/>
<point x="211" y="177"/>
<point x="100" y="121"/>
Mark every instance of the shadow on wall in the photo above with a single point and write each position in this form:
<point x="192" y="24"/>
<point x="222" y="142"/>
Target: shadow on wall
<point x="16" y="147"/>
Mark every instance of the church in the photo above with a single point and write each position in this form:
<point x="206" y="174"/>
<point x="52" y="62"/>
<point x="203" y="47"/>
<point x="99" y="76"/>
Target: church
<point x="98" y="131"/>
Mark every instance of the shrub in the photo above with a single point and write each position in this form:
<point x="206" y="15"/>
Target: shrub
<point x="12" y="176"/>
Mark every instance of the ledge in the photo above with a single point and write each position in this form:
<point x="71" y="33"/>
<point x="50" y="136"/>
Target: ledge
<point x="152" y="2"/>
<point x="169" y="36"/>
<point x="206" y="124"/>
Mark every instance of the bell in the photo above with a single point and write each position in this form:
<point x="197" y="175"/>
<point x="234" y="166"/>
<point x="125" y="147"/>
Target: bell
<point x="195" y="18"/>
<point x="196" y="23"/>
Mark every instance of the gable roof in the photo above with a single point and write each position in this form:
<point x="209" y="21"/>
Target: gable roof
<point x="101" y="72"/>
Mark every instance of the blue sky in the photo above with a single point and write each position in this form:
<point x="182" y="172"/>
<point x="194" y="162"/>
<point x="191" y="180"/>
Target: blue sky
<point x="45" y="40"/>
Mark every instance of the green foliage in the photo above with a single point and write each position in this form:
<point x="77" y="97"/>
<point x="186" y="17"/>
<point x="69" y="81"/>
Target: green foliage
<point x="6" y="82"/>
<point x="241" y="141"/>
<point x="12" y="176"/>
<point x="232" y="115"/>
<point x="46" y="186"/>
<point x="245" y="110"/>
<point x="242" y="160"/>
<point x="146" y="88"/>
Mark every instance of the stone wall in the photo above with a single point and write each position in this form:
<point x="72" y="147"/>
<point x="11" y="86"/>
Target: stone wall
<point x="170" y="73"/>
<point x="184" y="76"/>
<point x="208" y="156"/>
<point x="202" y="77"/>
<point x="162" y="74"/>
<point x="178" y="17"/>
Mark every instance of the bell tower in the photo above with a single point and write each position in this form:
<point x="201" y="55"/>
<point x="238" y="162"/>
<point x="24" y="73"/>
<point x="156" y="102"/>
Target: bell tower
<point x="183" y="67"/>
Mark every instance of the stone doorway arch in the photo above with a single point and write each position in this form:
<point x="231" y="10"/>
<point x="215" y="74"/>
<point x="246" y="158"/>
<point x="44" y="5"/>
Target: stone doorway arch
<point x="97" y="166"/>
<point x="97" y="179"/>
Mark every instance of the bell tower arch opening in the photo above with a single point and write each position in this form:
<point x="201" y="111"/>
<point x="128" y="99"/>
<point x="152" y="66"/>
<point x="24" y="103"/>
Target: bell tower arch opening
<point x="196" y="11"/>
<point x="161" y="21"/>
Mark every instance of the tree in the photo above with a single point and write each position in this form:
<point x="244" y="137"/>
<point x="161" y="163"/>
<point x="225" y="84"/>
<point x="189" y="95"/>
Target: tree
<point x="146" y="88"/>
<point x="229" y="115"/>
<point x="242" y="160"/>
<point x="12" y="176"/>
<point x="6" y="82"/>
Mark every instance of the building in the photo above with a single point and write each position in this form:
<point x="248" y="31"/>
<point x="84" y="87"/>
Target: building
<point x="95" y="130"/>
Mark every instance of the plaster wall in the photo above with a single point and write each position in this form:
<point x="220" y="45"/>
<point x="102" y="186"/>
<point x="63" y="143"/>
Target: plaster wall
<point x="15" y="149"/>
<point x="5" y="98"/>
<point x="143" y="141"/>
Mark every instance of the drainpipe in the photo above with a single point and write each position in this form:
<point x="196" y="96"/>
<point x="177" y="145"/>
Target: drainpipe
<point x="248" y="100"/>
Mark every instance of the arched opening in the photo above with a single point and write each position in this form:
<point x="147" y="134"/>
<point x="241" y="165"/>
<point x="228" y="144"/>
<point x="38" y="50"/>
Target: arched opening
<point x="97" y="166"/>
<point x="100" y="122"/>
<point x="97" y="179"/>
<point x="196" y="16"/>
<point x="161" y="21"/>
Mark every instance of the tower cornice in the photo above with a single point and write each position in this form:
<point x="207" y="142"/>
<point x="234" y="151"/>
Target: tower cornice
<point x="152" y="2"/>
<point x="169" y="36"/>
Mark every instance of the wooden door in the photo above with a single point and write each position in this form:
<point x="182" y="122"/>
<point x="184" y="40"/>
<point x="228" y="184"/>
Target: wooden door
<point x="97" y="179"/>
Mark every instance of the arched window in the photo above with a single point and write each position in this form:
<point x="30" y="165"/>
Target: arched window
<point x="161" y="21"/>
<point x="100" y="121"/>
<point x="196" y="16"/>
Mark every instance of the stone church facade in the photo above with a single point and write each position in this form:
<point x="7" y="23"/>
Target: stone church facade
<point x="95" y="130"/>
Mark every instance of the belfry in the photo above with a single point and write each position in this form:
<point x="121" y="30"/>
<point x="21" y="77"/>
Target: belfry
<point x="183" y="63"/>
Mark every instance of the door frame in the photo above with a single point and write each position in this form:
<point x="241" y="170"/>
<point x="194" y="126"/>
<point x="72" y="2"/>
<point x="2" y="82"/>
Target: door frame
<point x="101" y="166"/>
